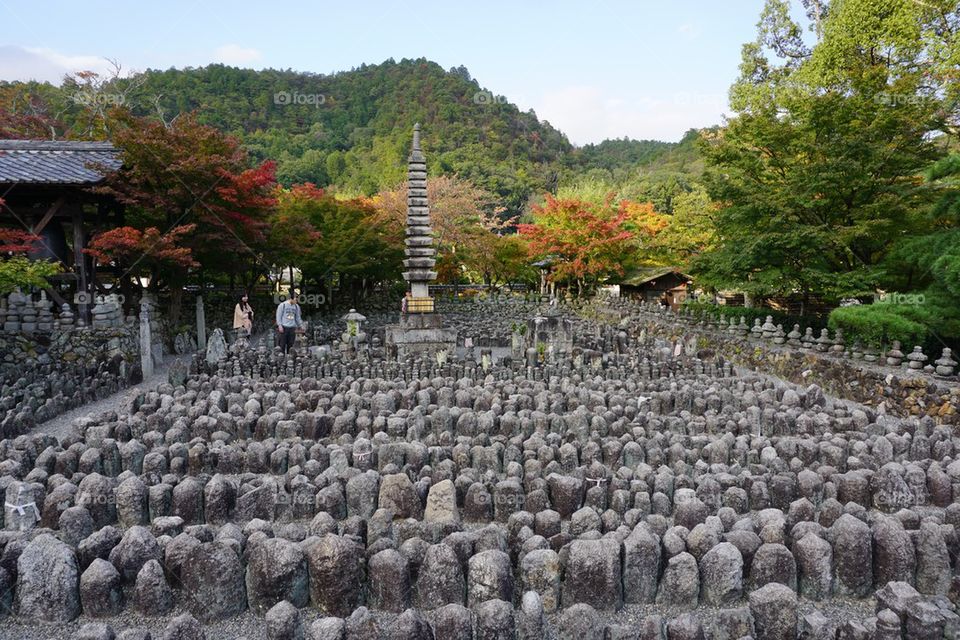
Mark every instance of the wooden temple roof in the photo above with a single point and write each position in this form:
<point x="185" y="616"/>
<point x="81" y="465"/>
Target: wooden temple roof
<point x="56" y="162"/>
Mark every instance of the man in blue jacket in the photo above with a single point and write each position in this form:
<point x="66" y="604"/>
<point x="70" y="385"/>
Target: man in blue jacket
<point x="288" y="321"/>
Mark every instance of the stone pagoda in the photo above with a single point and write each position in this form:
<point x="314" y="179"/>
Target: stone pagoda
<point x="421" y="330"/>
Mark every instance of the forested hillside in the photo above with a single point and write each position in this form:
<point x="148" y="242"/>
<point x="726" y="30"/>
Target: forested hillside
<point x="645" y="171"/>
<point x="351" y="129"/>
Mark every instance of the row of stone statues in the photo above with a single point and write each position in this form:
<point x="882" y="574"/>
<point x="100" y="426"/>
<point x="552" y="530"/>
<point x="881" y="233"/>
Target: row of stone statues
<point x="916" y="360"/>
<point x="21" y="313"/>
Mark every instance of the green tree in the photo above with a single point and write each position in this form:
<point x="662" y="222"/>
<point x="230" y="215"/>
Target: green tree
<point x="23" y="273"/>
<point x="16" y="270"/>
<point x="689" y="230"/>
<point x="334" y="242"/>
<point x="928" y="264"/>
<point x="819" y="174"/>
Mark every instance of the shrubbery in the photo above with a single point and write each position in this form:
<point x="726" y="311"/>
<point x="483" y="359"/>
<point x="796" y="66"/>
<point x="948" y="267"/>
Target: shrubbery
<point x="877" y="325"/>
<point x="18" y="271"/>
<point x="930" y="323"/>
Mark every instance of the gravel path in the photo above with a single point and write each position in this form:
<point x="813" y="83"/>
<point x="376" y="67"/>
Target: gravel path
<point x="246" y="626"/>
<point x="120" y="402"/>
<point x="59" y="426"/>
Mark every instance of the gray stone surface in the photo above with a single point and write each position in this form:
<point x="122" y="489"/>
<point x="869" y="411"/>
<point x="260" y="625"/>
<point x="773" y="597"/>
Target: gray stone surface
<point x="213" y="582"/>
<point x="774" y="609"/>
<point x="48" y="581"/>
<point x="649" y="486"/>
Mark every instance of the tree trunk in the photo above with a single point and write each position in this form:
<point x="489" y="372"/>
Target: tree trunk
<point x="126" y="290"/>
<point x="176" y="300"/>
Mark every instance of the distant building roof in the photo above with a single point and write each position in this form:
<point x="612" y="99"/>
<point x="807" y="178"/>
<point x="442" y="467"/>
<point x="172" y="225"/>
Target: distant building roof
<point x="545" y="262"/>
<point x="643" y="275"/>
<point x="56" y="161"/>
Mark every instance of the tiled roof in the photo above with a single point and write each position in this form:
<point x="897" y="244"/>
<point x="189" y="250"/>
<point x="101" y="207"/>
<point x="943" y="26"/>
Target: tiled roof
<point x="643" y="275"/>
<point x="55" y="161"/>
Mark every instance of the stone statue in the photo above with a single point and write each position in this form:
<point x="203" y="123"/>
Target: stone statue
<point x="216" y="347"/>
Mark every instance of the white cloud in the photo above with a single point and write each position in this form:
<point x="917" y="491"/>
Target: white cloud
<point x="42" y="64"/>
<point x="587" y="114"/>
<point x="234" y="54"/>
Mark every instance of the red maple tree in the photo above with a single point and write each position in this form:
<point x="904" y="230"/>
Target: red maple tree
<point x="26" y="118"/>
<point x="15" y="241"/>
<point x="189" y="174"/>
<point x="148" y="248"/>
<point x="585" y="242"/>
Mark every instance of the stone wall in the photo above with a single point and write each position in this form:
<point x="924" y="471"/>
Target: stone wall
<point x="44" y="376"/>
<point x="899" y="391"/>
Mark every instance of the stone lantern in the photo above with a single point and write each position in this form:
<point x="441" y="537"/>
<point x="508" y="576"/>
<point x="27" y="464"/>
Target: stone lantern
<point x="354" y="321"/>
<point x="354" y="335"/>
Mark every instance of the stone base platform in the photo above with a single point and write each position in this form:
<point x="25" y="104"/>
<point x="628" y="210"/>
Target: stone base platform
<point x="420" y="334"/>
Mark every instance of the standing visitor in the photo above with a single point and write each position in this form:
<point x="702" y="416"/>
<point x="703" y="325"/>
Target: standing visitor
<point x="288" y="321"/>
<point x="243" y="317"/>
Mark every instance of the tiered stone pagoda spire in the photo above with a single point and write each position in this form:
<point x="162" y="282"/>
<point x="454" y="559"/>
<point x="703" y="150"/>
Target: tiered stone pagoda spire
<point x="419" y="251"/>
<point x="420" y="331"/>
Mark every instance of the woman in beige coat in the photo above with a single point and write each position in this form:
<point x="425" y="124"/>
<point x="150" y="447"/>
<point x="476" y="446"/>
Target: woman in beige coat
<point x="243" y="317"/>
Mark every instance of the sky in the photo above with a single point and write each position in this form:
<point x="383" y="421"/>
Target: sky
<point x="595" y="69"/>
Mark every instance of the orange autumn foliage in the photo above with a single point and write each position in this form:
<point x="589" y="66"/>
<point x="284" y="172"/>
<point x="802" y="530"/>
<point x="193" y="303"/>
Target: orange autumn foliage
<point x="148" y="248"/>
<point x="588" y="242"/>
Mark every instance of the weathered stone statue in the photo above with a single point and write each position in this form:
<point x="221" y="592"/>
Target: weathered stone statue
<point x="44" y="314"/>
<point x="216" y="346"/>
<point x="946" y="364"/>
<point x="146" y="347"/>
<point x="895" y="355"/>
<point x="14" y="306"/>
<point x="66" y="317"/>
<point x="916" y="358"/>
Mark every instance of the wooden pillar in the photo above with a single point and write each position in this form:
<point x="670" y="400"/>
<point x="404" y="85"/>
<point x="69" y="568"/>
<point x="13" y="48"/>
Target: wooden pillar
<point x="80" y="266"/>
<point x="56" y="297"/>
<point x="48" y="216"/>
